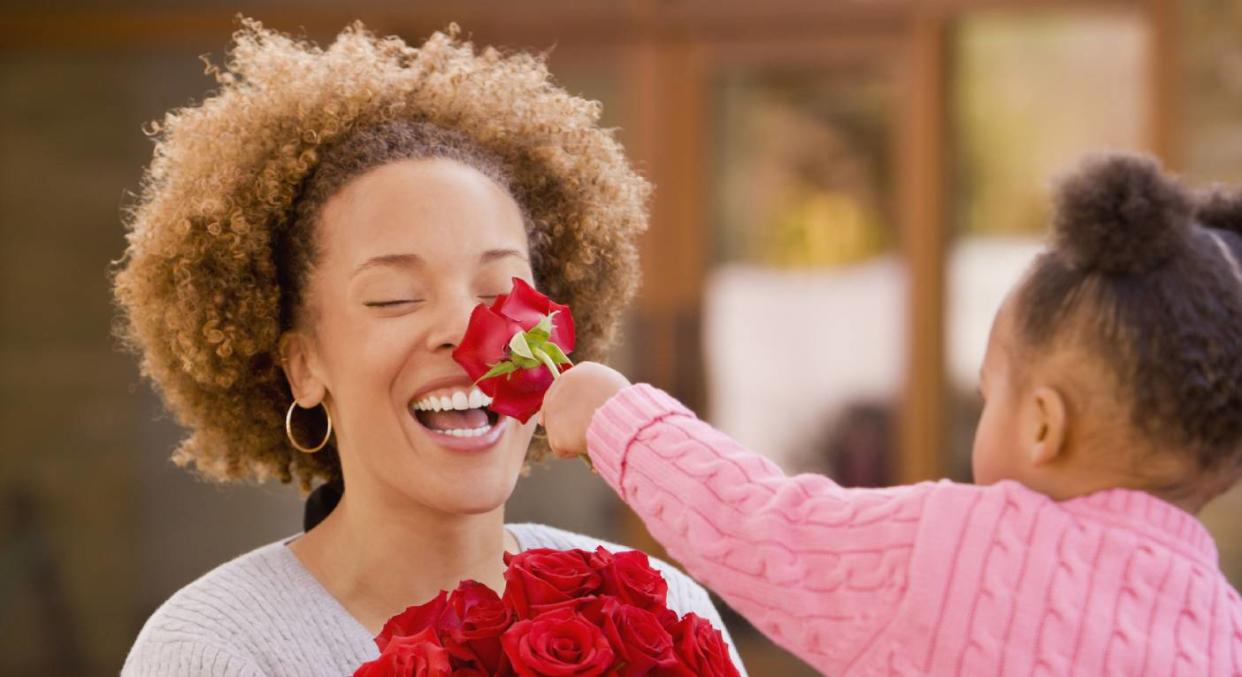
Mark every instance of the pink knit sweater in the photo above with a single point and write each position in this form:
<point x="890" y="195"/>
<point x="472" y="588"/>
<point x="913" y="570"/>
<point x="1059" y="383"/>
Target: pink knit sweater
<point x="936" y="578"/>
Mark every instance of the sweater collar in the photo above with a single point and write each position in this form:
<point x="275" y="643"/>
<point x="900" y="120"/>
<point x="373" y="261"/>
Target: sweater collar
<point x="1150" y="515"/>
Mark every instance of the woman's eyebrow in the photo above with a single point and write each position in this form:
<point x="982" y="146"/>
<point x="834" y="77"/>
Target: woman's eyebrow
<point x="495" y="254"/>
<point x="392" y="260"/>
<point x="416" y="261"/>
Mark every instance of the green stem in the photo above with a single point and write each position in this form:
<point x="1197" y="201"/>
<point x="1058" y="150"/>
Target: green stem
<point x="547" y="360"/>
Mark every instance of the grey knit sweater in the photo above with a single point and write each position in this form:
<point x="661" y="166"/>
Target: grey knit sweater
<point x="264" y="614"/>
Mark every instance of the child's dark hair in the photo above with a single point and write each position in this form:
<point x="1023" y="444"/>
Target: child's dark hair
<point x="1144" y="274"/>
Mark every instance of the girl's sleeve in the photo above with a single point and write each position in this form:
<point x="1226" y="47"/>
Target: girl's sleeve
<point x="818" y="568"/>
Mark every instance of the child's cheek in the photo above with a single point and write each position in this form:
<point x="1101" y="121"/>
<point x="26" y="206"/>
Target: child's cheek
<point x="988" y="458"/>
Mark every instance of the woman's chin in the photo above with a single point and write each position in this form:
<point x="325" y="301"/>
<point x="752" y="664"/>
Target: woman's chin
<point x="479" y="501"/>
<point x="478" y="492"/>
<point x="478" y="508"/>
<point x="456" y="483"/>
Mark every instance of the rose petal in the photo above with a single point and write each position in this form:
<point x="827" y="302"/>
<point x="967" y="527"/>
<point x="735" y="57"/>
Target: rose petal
<point x="527" y="306"/>
<point x="563" y="331"/>
<point x="541" y="577"/>
<point x="524" y="305"/>
<point x="413" y="620"/>
<point x="559" y="642"/>
<point x="484" y="617"/>
<point x="520" y="394"/>
<point x="485" y="343"/>
<point x="638" y="637"/>
<point x="418" y="655"/>
<point x="498" y="302"/>
<point x="701" y="648"/>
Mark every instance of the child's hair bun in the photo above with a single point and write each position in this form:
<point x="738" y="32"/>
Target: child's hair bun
<point x="1220" y="209"/>
<point x="1119" y="213"/>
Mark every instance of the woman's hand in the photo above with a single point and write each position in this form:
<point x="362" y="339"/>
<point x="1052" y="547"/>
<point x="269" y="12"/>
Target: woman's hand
<point x="571" y="402"/>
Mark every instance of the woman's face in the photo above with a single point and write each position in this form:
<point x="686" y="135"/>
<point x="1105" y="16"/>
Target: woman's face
<point x="405" y="253"/>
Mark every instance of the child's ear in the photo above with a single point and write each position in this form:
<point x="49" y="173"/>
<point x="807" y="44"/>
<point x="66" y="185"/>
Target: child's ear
<point x="1046" y="425"/>
<point x="297" y="359"/>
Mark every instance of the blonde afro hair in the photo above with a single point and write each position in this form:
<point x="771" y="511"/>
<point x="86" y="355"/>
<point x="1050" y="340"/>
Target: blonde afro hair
<point x="199" y="286"/>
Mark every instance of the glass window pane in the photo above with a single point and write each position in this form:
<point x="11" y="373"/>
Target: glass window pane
<point x="804" y="311"/>
<point x="1030" y="94"/>
<point x="803" y="166"/>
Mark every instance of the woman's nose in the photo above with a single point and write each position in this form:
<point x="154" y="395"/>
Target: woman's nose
<point x="450" y="323"/>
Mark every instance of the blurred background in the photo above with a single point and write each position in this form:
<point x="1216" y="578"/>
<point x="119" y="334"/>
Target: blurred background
<point x="845" y="190"/>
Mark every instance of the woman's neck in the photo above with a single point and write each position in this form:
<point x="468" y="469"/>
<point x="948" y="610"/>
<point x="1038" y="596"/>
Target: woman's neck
<point x="377" y="560"/>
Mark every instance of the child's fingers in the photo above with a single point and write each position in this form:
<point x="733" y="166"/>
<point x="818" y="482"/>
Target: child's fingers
<point x="571" y="402"/>
<point x="561" y="440"/>
<point x="559" y="447"/>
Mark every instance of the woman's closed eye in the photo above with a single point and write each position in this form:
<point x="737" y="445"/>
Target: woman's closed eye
<point x="392" y="303"/>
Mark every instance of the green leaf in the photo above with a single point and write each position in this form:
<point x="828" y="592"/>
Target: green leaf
<point x="525" y="362"/>
<point x="520" y="347"/>
<point x="547" y="361"/>
<point x="500" y="369"/>
<point x="544" y="328"/>
<point x="554" y="351"/>
<point x="535" y="341"/>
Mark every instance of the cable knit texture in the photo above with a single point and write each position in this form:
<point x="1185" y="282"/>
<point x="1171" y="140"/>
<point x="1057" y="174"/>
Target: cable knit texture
<point x="935" y="578"/>
<point x="265" y="614"/>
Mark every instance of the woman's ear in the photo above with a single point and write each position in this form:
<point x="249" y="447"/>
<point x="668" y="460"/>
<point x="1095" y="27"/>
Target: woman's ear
<point x="1047" y="425"/>
<point x="297" y="358"/>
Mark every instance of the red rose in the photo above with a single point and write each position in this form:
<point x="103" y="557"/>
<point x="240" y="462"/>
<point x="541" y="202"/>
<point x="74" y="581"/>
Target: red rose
<point x="520" y="394"/>
<point x="638" y="638"/>
<point x="481" y="618"/>
<point x="418" y="655"/>
<point x="701" y="648"/>
<point x="558" y="642"/>
<point x="414" y="620"/>
<point x="528" y="307"/>
<point x="541" y="578"/>
<point x="629" y="577"/>
<point x="485" y="343"/>
<point x="517" y="383"/>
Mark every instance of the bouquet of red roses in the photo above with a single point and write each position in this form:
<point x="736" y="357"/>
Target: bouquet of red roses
<point x="563" y="612"/>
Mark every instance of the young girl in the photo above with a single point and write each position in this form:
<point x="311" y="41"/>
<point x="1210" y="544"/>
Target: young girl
<point x="1113" y="390"/>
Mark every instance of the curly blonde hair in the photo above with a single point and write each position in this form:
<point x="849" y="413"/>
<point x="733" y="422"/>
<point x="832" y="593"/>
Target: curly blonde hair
<point x="200" y="285"/>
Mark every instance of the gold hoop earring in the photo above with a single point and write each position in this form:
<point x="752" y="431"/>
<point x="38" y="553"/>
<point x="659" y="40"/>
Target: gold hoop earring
<point x="289" y="430"/>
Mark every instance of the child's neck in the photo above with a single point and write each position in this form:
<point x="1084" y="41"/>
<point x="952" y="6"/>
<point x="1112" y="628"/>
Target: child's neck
<point x="1065" y="486"/>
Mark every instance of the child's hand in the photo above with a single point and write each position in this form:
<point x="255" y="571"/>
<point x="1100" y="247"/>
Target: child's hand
<point x="571" y="402"/>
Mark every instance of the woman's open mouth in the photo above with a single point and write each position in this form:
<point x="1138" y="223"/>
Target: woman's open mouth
<point x="459" y="413"/>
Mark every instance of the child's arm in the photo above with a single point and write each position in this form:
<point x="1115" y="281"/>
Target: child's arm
<point x="818" y="568"/>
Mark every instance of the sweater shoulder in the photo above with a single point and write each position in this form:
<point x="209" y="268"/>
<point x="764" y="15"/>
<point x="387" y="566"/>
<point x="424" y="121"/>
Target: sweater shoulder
<point x="232" y="620"/>
<point x="257" y="583"/>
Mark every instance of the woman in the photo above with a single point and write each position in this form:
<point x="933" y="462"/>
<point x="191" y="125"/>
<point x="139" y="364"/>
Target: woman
<point x="305" y="255"/>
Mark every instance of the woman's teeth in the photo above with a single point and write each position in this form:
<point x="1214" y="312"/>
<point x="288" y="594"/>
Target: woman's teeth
<point x="460" y="400"/>
<point x="473" y="432"/>
<point x="456" y="413"/>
